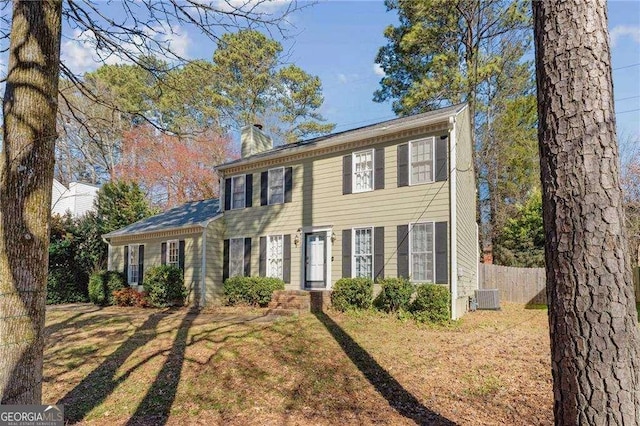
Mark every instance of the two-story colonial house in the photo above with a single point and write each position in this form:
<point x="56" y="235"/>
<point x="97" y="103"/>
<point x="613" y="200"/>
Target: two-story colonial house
<point x="397" y="198"/>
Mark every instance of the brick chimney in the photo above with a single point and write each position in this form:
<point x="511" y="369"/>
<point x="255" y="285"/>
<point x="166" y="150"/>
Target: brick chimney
<point x="254" y="141"/>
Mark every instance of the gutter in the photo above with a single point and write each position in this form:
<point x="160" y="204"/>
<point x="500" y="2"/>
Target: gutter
<point x="453" y="232"/>
<point x="203" y="224"/>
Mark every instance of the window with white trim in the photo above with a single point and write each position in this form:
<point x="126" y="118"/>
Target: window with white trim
<point x="172" y="253"/>
<point x="276" y="186"/>
<point x="134" y="260"/>
<point x="236" y="257"/>
<point x="237" y="192"/>
<point x="363" y="252"/>
<point x="363" y="171"/>
<point x="422" y="253"/>
<point x="275" y="256"/>
<point x="421" y="154"/>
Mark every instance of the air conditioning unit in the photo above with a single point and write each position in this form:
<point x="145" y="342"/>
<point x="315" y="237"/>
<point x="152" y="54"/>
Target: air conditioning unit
<point x="488" y="298"/>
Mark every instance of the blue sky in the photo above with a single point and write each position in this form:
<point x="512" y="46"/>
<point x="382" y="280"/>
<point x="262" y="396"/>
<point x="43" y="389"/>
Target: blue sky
<point x="338" y="41"/>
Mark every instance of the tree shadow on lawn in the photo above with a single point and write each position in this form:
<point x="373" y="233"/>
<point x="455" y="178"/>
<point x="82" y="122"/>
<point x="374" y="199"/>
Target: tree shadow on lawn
<point x="100" y="383"/>
<point x="396" y="395"/>
<point x="156" y="405"/>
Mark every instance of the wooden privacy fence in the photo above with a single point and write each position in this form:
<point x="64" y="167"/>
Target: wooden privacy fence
<point x="525" y="285"/>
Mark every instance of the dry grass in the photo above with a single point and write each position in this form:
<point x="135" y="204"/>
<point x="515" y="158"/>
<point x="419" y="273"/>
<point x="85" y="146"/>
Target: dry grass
<point x="232" y="366"/>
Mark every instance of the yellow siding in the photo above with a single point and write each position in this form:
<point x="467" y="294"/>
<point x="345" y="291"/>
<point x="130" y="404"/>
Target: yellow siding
<point x="213" y="274"/>
<point x="467" y="239"/>
<point x="152" y="256"/>
<point x="317" y="200"/>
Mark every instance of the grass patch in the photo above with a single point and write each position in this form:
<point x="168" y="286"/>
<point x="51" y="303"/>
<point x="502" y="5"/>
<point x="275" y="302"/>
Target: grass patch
<point x="539" y="306"/>
<point x="239" y="367"/>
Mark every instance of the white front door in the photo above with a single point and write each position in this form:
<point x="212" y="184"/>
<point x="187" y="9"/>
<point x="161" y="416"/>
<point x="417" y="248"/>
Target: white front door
<point x="315" y="260"/>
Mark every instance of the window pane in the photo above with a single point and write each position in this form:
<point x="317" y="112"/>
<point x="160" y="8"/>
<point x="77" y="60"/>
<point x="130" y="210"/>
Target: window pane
<point x="363" y="249"/>
<point x="422" y="252"/>
<point x="172" y="258"/>
<point x="238" y="192"/>
<point x="133" y="263"/>
<point x="363" y="171"/>
<point x="274" y="256"/>
<point x="236" y="257"/>
<point x="422" y="161"/>
<point x="276" y="186"/>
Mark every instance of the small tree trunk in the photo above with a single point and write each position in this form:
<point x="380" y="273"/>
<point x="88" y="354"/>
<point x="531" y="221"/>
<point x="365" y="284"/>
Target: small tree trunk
<point x="26" y="177"/>
<point x="595" y="342"/>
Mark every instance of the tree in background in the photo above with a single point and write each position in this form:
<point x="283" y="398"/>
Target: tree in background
<point x="119" y="204"/>
<point x="172" y="169"/>
<point x="521" y="240"/>
<point x="595" y="338"/>
<point x="246" y="70"/>
<point x="630" y="179"/>
<point x="446" y="52"/>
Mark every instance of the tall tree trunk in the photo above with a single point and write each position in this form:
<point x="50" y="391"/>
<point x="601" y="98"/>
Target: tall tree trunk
<point x="26" y="177"/>
<point x="595" y="340"/>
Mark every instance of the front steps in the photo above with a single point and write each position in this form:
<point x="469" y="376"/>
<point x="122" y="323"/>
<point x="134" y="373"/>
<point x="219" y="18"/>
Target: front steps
<point x="298" y="302"/>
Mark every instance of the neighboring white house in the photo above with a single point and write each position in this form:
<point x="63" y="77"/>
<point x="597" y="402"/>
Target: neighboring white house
<point x="77" y="199"/>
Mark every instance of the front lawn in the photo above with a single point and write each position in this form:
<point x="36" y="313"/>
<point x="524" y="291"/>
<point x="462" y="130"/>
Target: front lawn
<point x="135" y="366"/>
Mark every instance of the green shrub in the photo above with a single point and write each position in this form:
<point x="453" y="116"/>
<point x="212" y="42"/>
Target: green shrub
<point x="395" y="295"/>
<point x="352" y="293"/>
<point x="254" y="291"/>
<point x="64" y="287"/>
<point x="130" y="297"/>
<point x="102" y="284"/>
<point x="431" y="304"/>
<point x="164" y="286"/>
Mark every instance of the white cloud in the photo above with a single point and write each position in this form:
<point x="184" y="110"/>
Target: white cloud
<point x="80" y="54"/>
<point x="377" y="70"/>
<point x="347" y="78"/>
<point x="625" y="30"/>
<point x="253" y="6"/>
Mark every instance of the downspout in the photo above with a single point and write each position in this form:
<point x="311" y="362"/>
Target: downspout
<point x="203" y="298"/>
<point x="109" y="261"/>
<point x="453" y="251"/>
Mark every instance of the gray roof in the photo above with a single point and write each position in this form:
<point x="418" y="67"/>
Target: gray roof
<point x="434" y="116"/>
<point x="196" y="213"/>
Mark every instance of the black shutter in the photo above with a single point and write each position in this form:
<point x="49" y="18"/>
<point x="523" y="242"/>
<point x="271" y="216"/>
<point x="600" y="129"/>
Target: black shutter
<point x="264" y="188"/>
<point x="379" y="166"/>
<point x="286" y="258"/>
<point x="181" y="255"/>
<point x="163" y="253"/>
<point x="126" y="264"/>
<point x="140" y="264"/>
<point x="403" y="251"/>
<point x="248" y="193"/>
<point x="346" y="253"/>
<point x="346" y="174"/>
<point x="263" y="257"/>
<point x="288" y="184"/>
<point x="225" y="261"/>
<point x="378" y="253"/>
<point x="441" y="249"/>
<point x="227" y="194"/>
<point x="442" y="171"/>
<point x="403" y="165"/>
<point x="247" y="257"/>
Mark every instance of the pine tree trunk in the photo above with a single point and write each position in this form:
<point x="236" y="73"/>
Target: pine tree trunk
<point x="26" y="176"/>
<point x="595" y="340"/>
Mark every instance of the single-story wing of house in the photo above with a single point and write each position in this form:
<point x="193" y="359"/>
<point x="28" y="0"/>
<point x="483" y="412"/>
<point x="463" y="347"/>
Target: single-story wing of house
<point x="185" y="236"/>
<point x="392" y="199"/>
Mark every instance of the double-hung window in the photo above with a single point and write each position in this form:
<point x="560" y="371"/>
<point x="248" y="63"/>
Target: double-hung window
<point x="276" y="186"/>
<point x="275" y="256"/>
<point x="421" y="154"/>
<point x="173" y="253"/>
<point x="363" y="171"/>
<point x="134" y="260"/>
<point x="238" y="192"/>
<point x="422" y="253"/>
<point x="363" y="252"/>
<point x="236" y="257"/>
